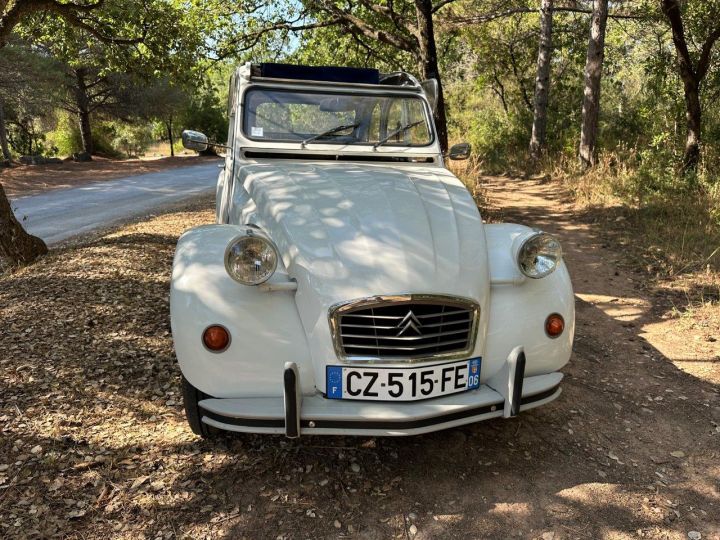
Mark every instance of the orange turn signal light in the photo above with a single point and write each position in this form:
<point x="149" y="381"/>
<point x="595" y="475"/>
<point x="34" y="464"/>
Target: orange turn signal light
<point x="216" y="338"/>
<point x="554" y="325"/>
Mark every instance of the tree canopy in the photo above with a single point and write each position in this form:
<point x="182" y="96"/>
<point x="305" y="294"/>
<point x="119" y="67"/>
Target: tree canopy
<point x="636" y="80"/>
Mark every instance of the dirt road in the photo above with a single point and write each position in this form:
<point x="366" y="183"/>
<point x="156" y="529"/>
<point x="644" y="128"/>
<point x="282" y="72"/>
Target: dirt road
<point x="94" y="443"/>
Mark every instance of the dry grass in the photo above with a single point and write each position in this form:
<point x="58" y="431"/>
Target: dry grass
<point x="677" y="226"/>
<point x="667" y="229"/>
<point x="672" y="237"/>
<point x="470" y="173"/>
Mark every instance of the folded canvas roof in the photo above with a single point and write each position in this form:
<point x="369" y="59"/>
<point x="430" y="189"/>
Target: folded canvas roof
<point x="335" y="74"/>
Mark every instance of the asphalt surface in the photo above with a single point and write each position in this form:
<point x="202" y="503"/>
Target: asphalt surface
<point x="62" y="213"/>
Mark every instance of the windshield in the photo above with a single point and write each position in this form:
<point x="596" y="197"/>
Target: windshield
<point x="332" y="118"/>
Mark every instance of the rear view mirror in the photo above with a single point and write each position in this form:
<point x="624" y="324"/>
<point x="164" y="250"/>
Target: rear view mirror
<point x="432" y="92"/>
<point x="336" y="105"/>
<point x="194" y="140"/>
<point x="460" y="151"/>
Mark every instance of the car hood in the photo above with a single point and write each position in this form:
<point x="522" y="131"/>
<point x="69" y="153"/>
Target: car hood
<point x="352" y="230"/>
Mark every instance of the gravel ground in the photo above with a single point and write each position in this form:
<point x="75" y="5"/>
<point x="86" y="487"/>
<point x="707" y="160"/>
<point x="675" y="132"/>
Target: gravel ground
<point x="95" y="445"/>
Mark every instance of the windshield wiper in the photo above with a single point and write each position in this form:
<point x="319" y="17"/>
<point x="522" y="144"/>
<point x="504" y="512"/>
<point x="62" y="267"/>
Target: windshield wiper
<point x="330" y="131"/>
<point x="402" y="129"/>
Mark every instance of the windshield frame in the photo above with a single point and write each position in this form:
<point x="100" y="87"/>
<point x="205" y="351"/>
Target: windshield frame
<point x="342" y="90"/>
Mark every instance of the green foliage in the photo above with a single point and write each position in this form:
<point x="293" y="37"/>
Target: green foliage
<point x="111" y="138"/>
<point x="206" y="113"/>
<point x="65" y="138"/>
<point x="132" y="140"/>
<point x="104" y="135"/>
<point x="118" y="63"/>
<point x="26" y="137"/>
<point x="333" y="46"/>
<point x="494" y="134"/>
<point x="28" y="89"/>
<point x="489" y="74"/>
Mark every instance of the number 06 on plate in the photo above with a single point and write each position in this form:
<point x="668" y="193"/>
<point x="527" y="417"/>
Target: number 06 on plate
<point x="402" y="384"/>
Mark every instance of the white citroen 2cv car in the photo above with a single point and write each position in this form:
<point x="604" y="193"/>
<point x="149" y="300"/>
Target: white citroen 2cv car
<point x="350" y="285"/>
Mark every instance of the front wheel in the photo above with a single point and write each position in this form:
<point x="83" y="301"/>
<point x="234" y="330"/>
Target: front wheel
<point x="191" y="397"/>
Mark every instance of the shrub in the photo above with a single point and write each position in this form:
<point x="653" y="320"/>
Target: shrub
<point x="674" y="218"/>
<point x="65" y="138"/>
<point x="132" y="140"/>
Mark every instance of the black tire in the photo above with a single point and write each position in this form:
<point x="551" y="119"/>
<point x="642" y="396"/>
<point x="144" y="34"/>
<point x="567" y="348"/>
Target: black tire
<point x="191" y="397"/>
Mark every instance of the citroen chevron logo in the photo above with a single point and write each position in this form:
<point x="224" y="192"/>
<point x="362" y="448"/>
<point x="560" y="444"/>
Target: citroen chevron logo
<point x="409" y="322"/>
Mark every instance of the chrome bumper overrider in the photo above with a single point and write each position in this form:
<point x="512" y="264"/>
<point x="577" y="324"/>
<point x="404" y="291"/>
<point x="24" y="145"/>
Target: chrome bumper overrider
<point x="294" y="415"/>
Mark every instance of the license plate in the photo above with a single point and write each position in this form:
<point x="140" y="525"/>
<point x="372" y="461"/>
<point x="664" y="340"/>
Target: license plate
<point x="402" y="384"/>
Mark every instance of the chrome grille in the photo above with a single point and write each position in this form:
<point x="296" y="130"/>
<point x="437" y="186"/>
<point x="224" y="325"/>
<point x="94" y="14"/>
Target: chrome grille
<point x="405" y="327"/>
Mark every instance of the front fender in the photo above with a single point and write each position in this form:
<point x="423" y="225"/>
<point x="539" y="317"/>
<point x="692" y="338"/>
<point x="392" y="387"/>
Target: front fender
<point x="264" y="326"/>
<point x="519" y="306"/>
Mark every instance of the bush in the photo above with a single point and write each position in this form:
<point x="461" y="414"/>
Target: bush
<point x="26" y="136"/>
<point x="132" y="140"/>
<point x="674" y="218"/>
<point x="65" y="138"/>
<point x="499" y="138"/>
<point x="206" y="115"/>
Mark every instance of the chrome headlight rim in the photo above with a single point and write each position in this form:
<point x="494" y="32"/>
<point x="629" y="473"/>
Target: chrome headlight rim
<point x="254" y="234"/>
<point x="536" y="237"/>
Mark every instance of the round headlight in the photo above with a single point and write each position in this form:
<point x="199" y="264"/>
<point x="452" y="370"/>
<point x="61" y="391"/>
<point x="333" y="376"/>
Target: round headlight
<point x="251" y="259"/>
<point x="539" y="255"/>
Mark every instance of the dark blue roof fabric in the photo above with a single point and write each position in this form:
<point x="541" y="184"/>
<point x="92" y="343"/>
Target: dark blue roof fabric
<point x="320" y="73"/>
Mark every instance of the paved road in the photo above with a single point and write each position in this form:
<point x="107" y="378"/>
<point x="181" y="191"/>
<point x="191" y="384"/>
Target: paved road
<point x="59" y="214"/>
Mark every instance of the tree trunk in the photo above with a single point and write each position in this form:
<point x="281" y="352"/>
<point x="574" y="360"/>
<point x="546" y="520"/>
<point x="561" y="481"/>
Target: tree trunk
<point x="542" y="81"/>
<point x="16" y="246"/>
<point x="429" y="64"/>
<point x="83" y="107"/>
<point x="691" y="159"/>
<point x="692" y="77"/>
<point x="593" y="76"/>
<point x="4" y="147"/>
<point x="168" y="124"/>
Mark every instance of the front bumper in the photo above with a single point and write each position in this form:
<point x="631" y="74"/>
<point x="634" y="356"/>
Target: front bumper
<point x="294" y="415"/>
